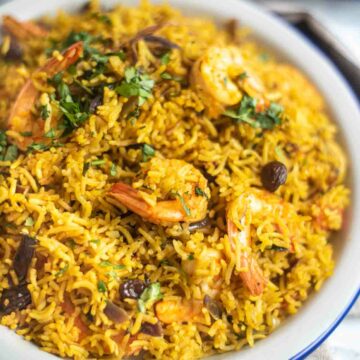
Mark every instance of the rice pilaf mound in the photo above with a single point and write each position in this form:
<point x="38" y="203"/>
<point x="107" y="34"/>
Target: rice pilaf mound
<point x="168" y="188"/>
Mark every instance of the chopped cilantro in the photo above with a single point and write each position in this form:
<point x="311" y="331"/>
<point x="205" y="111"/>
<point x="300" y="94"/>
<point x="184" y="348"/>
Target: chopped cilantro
<point x="50" y="134"/>
<point x="278" y="248"/>
<point x="183" y="204"/>
<point x="86" y="167"/>
<point x="104" y="19"/>
<point x="37" y="147"/>
<point x="109" y="264"/>
<point x="165" y="59"/>
<point x="151" y="294"/>
<point x="264" y="56"/>
<point x="97" y="162"/>
<point x="100" y="58"/>
<point x="200" y="192"/>
<point x="44" y="112"/>
<point x="165" y="75"/>
<point x="29" y="221"/>
<point x="135" y="84"/>
<point x="243" y="75"/>
<point x="191" y="256"/>
<point x="247" y="113"/>
<point x="113" y="170"/>
<point x="26" y="133"/>
<point x="120" y="54"/>
<point x="7" y="152"/>
<point x="11" y="153"/>
<point x="95" y="241"/>
<point x="63" y="270"/>
<point x="102" y="286"/>
<point x="147" y="152"/>
<point x="83" y="36"/>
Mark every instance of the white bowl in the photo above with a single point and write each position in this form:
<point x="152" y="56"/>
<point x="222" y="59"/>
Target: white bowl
<point x="302" y="333"/>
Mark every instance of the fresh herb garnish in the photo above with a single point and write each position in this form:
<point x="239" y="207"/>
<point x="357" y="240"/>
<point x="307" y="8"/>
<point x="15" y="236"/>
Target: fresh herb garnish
<point x="151" y="294"/>
<point x="29" y="221"/>
<point x="243" y="75"/>
<point x="50" y="134"/>
<point x="247" y="113"/>
<point x="7" y="152"/>
<point x="102" y="286"/>
<point x="95" y="241"/>
<point x="109" y="264"/>
<point x="63" y="270"/>
<point x="97" y="162"/>
<point x="165" y="59"/>
<point x="26" y="133"/>
<point x="167" y="76"/>
<point x="135" y="84"/>
<point x="37" y="147"/>
<point x="44" y="112"/>
<point x="113" y="170"/>
<point x="200" y="192"/>
<point x="278" y="248"/>
<point x="183" y="204"/>
<point x="147" y="152"/>
<point x="191" y="256"/>
<point x="86" y="167"/>
<point x="104" y="19"/>
<point x="11" y="153"/>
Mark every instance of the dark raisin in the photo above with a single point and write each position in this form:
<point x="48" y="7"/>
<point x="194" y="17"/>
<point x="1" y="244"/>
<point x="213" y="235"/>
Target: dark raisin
<point x="132" y="289"/>
<point x="23" y="257"/>
<point x="273" y="174"/>
<point x="15" y="52"/>
<point x="15" y="298"/>
<point x="151" y="329"/>
<point x="115" y="313"/>
<point x="94" y="103"/>
<point x="213" y="306"/>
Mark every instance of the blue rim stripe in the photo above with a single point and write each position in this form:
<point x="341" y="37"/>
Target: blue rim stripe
<point x="317" y="342"/>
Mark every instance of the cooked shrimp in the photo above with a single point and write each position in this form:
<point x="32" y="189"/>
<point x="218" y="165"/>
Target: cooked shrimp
<point x="21" y="118"/>
<point x="240" y="215"/>
<point x="182" y="188"/>
<point x="23" y="30"/>
<point x="205" y="270"/>
<point x="179" y="310"/>
<point x="213" y="77"/>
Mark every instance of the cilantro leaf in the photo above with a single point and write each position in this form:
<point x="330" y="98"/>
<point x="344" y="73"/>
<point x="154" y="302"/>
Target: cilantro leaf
<point x="102" y="286"/>
<point x="63" y="270"/>
<point x="50" y="134"/>
<point x="44" y="112"/>
<point x="200" y="192"/>
<point x="151" y="294"/>
<point x="11" y="153"/>
<point x="29" y="221"/>
<point x="183" y="204"/>
<point x="37" y="147"/>
<point x="109" y="264"/>
<point x="247" y="113"/>
<point x="147" y="152"/>
<point x="135" y="84"/>
<point x="113" y="171"/>
<point x="165" y="59"/>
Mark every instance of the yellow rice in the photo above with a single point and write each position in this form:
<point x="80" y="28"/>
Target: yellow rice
<point x="77" y="227"/>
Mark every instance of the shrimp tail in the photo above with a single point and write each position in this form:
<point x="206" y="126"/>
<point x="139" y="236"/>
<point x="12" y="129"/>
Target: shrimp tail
<point x="21" y="119"/>
<point x="23" y="30"/>
<point x="253" y="278"/>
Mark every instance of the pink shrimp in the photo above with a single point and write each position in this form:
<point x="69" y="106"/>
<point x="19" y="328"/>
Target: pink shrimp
<point x="21" y="118"/>
<point x="23" y="30"/>
<point x="239" y="214"/>
<point x="187" y="203"/>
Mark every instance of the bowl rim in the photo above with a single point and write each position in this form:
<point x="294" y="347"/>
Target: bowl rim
<point x="21" y="9"/>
